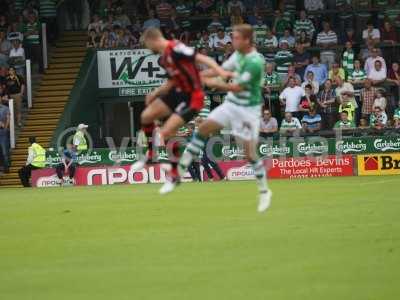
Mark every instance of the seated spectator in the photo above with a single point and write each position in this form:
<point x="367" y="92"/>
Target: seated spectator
<point x="378" y="119"/>
<point x="301" y="59"/>
<point x="219" y="41"/>
<point x="319" y="70"/>
<point x="152" y="21"/>
<point x="15" y="32"/>
<point x="327" y="102"/>
<point x="327" y="39"/>
<point x="345" y="89"/>
<point x="283" y="59"/>
<point x="270" y="43"/>
<point x="310" y="81"/>
<point x="269" y="125"/>
<point x="344" y="122"/>
<point x="5" y="47"/>
<point x="304" y="40"/>
<point x="308" y="101"/>
<point x="121" y="40"/>
<point x="311" y="122"/>
<point x="96" y="25"/>
<point x="164" y="12"/>
<point x="367" y="97"/>
<point x="389" y="34"/>
<point x="348" y="59"/>
<point x="17" y="57"/>
<point x="93" y="40"/>
<point x="106" y="40"/>
<point x="303" y="24"/>
<point x="363" y="124"/>
<point x="68" y="164"/>
<point x="122" y="18"/>
<point x="215" y="23"/>
<point x="380" y="100"/>
<point x="313" y="5"/>
<point x="235" y="5"/>
<point x="280" y="24"/>
<point x="336" y="71"/>
<point x="260" y="30"/>
<point x="396" y="118"/>
<point x="287" y="37"/>
<point x="371" y="33"/>
<point x="349" y="36"/>
<point x="394" y="74"/>
<point x="203" y="41"/>
<point x="370" y="61"/>
<point x="204" y="6"/>
<point x="290" y="124"/>
<point x="291" y="96"/>
<point x="377" y="75"/>
<point x="4" y="133"/>
<point x="291" y="73"/>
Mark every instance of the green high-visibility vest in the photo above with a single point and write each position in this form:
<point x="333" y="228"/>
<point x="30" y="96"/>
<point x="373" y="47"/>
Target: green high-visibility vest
<point x="39" y="159"/>
<point x="80" y="141"/>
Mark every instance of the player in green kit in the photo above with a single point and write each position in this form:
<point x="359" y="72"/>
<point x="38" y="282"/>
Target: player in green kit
<point x="241" y="110"/>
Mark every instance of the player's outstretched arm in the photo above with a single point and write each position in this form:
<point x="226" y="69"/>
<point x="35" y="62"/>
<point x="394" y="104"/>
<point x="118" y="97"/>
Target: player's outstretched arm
<point x="217" y="70"/>
<point x="161" y="90"/>
<point x="220" y="85"/>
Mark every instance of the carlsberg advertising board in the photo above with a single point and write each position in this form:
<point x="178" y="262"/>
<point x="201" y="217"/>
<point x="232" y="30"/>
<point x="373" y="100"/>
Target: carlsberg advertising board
<point x="132" y="71"/>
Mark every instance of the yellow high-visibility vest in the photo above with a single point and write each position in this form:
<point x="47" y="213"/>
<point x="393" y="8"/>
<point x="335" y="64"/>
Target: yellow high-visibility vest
<point x="80" y="141"/>
<point x="39" y="159"/>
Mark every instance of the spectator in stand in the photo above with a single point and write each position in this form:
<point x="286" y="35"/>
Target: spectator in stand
<point x="122" y="18"/>
<point x="336" y="71"/>
<point x="271" y="93"/>
<point x="303" y="24"/>
<point x="17" y="57"/>
<point x="396" y="118"/>
<point x="74" y="10"/>
<point x="4" y="133"/>
<point x="349" y="36"/>
<point x="363" y="124"/>
<point x="15" y="32"/>
<point x="377" y="75"/>
<point x="311" y="122"/>
<point x="260" y="30"/>
<point x="48" y="15"/>
<point x="308" y="101"/>
<point x="96" y="25"/>
<point x="327" y="39"/>
<point x="283" y="59"/>
<point x="280" y="24"/>
<point x="348" y="107"/>
<point x="15" y="88"/>
<point x="358" y="76"/>
<point x="370" y="62"/>
<point x="319" y="70"/>
<point x="204" y="41"/>
<point x="380" y="100"/>
<point x="164" y="12"/>
<point x="312" y="82"/>
<point x="287" y="37"/>
<point x="371" y="33"/>
<point x="313" y="5"/>
<point x="367" y="97"/>
<point x="394" y="74"/>
<point x="270" y="43"/>
<point x="345" y="93"/>
<point x="291" y="73"/>
<point x="378" y="119"/>
<point x="348" y="59"/>
<point x="389" y="34"/>
<point x="290" y="124"/>
<point x="291" y="97"/>
<point x="269" y="125"/>
<point x="301" y="59"/>
<point x="5" y="47"/>
<point x="4" y="26"/>
<point x="304" y="40"/>
<point x="31" y="39"/>
<point x="204" y="6"/>
<point x="106" y="40"/>
<point x="344" y="122"/>
<point x="152" y="21"/>
<point x="219" y="41"/>
<point x="235" y="5"/>
<point x="93" y="39"/>
<point x="327" y="102"/>
<point x="122" y="40"/>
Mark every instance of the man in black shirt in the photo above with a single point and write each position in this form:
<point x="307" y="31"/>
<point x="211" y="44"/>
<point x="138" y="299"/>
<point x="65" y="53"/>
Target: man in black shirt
<point x="301" y="59"/>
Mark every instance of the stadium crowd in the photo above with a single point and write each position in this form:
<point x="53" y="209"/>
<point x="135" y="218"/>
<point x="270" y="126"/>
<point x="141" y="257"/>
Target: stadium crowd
<point x="330" y="63"/>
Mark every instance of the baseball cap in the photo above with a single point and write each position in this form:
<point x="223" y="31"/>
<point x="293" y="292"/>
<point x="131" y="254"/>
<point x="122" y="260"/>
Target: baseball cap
<point x="82" y="126"/>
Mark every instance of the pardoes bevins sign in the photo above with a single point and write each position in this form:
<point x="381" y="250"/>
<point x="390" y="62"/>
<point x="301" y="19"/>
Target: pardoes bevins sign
<point x="133" y="71"/>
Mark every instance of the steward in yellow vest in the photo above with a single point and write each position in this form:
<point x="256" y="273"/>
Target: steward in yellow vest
<point x="36" y="160"/>
<point x="79" y="140"/>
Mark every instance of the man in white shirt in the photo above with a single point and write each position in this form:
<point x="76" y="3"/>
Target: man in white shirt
<point x="291" y="96"/>
<point x="371" y="33"/>
<point x="377" y="74"/>
<point x="219" y="41"/>
<point x="17" y="57"/>
<point x="370" y="62"/>
<point x="313" y="5"/>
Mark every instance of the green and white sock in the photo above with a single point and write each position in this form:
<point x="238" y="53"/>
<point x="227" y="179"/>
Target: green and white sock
<point x="261" y="176"/>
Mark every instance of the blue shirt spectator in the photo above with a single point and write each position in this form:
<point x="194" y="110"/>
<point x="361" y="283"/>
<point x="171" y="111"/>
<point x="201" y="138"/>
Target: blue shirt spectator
<point x="320" y="71"/>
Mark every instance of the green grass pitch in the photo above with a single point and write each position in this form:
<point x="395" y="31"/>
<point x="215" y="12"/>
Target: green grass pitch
<point x="331" y="238"/>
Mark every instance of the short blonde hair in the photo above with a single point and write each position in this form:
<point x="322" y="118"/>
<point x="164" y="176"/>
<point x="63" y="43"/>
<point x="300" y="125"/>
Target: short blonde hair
<point x="245" y="30"/>
<point x="151" y="34"/>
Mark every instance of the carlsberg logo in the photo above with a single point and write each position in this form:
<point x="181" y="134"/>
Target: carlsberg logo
<point x="267" y="149"/>
<point x="122" y="156"/>
<point x="91" y="158"/>
<point x="53" y="160"/>
<point x="305" y="148"/>
<point x="233" y="152"/>
<point x="385" y="145"/>
<point x="346" y="147"/>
